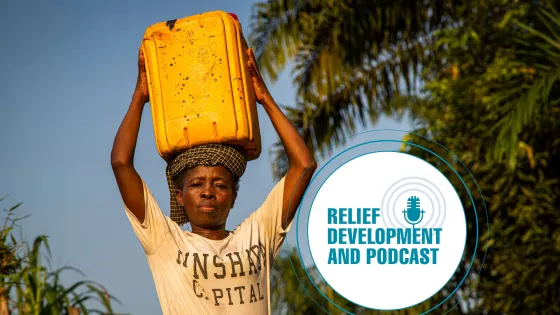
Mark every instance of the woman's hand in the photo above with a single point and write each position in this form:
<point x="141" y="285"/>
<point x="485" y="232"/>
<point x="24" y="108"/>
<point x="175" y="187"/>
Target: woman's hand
<point x="141" y="90"/>
<point x="261" y="91"/>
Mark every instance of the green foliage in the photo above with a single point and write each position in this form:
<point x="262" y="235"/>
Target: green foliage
<point x="350" y="58"/>
<point x="490" y="94"/>
<point x="30" y="287"/>
<point x="504" y="101"/>
<point x="9" y="261"/>
<point x="294" y="293"/>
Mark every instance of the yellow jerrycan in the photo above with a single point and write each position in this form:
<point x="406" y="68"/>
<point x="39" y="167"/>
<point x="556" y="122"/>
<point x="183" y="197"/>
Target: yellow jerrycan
<point x="199" y="84"/>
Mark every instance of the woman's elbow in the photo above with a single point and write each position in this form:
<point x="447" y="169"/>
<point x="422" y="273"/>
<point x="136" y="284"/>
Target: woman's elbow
<point x="306" y="165"/>
<point x="312" y="165"/>
<point x="119" y="160"/>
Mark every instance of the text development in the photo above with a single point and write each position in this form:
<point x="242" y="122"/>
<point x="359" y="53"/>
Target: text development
<point x="349" y="226"/>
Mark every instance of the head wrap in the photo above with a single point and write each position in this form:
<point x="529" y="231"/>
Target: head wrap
<point x="206" y="155"/>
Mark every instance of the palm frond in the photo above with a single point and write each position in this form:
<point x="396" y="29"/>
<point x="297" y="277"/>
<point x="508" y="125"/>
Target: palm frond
<point x="325" y="121"/>
<point x="275" y="26"/>
<point x="349" y="58"/>
<point x="529" y="91"/>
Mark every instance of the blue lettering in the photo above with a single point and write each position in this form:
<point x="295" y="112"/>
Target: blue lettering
<point x="352" y="235"/>
<point x="332" y="216"/>
<point x="424" y="253"/>
<point x="366" y="216"/>
<point x="370" y="255"/>
<point x="379" y="236"/>
<point x="403" y="236"/>
<point x="342" y="235"/>
<point x="362" y="236"/>
<point x="342" y="213"/>
<point x="375" y="215"/>
<point x="434" y="251"/>
<point x="438" y="230"/>
<point x="414" y="256"/>
<point x="382" y="257"/>
<point x="332" y="256"/>
<point x="332" y="236"/>
<point x="403" y="260"/>
<point x="345" y="256"/>
<point x="391" y="233"/>
<point x="416" y="236"/>
<point x="393" y="256"/>
<point x="350" y="216"/>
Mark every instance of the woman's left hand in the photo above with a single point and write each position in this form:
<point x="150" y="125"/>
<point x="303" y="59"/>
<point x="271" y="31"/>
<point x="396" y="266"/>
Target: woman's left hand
<point x="261" y="91"/>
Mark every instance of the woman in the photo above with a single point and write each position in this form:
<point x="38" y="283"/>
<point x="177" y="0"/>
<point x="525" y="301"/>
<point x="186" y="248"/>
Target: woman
<point x="210" y="270"/>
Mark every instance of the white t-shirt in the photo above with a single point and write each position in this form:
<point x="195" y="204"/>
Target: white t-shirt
<point x="196" y="275"/>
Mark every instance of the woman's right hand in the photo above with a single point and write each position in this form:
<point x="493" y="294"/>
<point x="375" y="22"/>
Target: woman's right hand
<point x="141" y="90"/>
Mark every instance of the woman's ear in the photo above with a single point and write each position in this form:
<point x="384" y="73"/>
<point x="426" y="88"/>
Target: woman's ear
<point x="180" y="197"/>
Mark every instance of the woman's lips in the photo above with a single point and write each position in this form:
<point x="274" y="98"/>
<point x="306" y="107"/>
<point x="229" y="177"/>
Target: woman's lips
<point x="205" y="208"/>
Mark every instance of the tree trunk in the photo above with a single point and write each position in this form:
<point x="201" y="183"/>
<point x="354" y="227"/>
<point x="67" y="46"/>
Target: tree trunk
<point x="73" y="311"/>
<point x="4" y="310"/>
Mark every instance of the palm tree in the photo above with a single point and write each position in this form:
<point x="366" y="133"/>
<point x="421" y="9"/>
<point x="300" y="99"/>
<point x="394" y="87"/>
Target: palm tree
<point x="489" y="93"/>
<point x="353" y="60"/>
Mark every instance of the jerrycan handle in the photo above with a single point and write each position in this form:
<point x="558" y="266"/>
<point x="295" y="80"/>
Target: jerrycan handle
<point x="234" y="16"/>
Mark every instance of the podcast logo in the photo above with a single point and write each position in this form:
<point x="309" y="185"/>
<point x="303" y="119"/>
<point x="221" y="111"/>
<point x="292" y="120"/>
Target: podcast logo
<point x="387" y="230"/>
<point x="412" y="214"/>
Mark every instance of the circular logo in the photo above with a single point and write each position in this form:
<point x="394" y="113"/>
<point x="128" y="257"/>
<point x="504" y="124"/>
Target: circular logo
<point x="387" y="230"/>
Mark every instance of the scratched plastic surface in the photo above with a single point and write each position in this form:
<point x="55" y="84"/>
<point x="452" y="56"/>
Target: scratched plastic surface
<point x="199" y="84"/>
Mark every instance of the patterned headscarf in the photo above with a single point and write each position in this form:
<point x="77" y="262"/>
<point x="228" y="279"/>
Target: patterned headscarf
<point x="207" y="155"/>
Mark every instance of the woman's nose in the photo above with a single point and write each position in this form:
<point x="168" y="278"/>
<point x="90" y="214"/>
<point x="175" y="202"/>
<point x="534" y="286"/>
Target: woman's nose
<point x="207" y="192"/>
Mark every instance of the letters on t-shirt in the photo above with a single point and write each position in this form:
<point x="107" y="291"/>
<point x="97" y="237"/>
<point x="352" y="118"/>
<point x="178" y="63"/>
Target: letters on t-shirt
<point x="230" y="266"/>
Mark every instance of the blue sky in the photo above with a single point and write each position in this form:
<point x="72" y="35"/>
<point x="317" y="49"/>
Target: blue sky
<point x="68" y="72"/>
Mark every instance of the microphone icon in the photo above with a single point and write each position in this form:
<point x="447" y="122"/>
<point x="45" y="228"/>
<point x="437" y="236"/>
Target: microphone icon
<point x="413" y="214"/>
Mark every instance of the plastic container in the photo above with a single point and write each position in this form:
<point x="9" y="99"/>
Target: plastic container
<point x="199" y="84"/>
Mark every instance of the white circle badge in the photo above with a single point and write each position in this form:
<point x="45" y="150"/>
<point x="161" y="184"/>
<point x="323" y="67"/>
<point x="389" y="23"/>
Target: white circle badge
<point x="387" y="230"/>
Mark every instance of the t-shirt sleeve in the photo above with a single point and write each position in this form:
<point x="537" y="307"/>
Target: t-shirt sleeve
<point x="152" y="232"/>
<point x="270" y="217"/>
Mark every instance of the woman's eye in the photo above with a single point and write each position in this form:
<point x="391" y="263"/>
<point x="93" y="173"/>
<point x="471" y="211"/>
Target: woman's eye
<point x="195" y="185"/>
<point x="222" y="186"/>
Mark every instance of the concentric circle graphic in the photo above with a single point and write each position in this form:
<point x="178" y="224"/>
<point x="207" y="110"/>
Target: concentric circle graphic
<point x="431" y="201"/>
<point x="399" y="264"/>
<point x="411" y="185"/>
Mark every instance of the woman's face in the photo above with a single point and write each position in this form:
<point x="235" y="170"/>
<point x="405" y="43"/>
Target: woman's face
<point x="208" y="195"/>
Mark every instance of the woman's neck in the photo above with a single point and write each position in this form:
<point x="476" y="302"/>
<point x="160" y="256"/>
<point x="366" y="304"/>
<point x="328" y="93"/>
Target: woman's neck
<point x="214" y="234"/>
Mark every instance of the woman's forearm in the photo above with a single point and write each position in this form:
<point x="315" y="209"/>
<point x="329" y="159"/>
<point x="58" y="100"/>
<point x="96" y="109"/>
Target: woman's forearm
<point x="127" y="135"/>
<point x="298" y="153"/>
